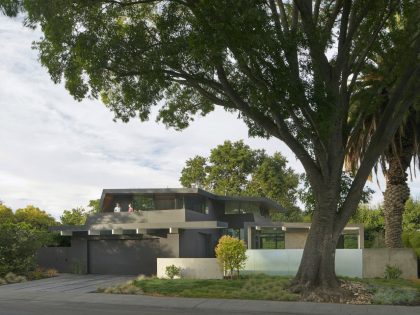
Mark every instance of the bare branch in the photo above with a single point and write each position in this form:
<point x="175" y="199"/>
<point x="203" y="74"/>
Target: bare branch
<point x="283" y="16"/>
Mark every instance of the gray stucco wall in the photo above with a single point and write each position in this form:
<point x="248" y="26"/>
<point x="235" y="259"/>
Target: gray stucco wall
<point x="65" y="259"/>
<point x="198" y="243"/>
<point x="110" y="255"/>
<point x="376" y="259"/>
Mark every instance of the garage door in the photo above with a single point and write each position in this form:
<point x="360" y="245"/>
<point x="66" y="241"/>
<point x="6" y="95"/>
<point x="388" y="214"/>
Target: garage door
<point x="123" y="257"/>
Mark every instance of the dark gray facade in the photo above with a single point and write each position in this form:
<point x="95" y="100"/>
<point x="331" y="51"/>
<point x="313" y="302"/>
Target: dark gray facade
<point x="185" y="223"/>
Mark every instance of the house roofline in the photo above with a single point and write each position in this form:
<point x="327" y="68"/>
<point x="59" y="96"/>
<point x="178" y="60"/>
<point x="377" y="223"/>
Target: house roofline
<point x="266" y="201"/>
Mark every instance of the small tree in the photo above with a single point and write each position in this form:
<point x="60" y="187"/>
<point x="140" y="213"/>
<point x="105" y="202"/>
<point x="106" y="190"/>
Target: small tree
<point x="230" y="253"/>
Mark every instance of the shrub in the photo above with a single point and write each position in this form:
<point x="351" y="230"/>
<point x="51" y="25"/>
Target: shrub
<point x="126" y="288"/>
<point x="392" y="272"/>
<point x="36" y="274"/>
<point x="51" y="272"/>
<point x="13" y="278"/>
<point x="2" y="281"/>
<point x="173" y="271"/>
<point x="18" y="245"/>
<point x="231" y="254"/>
<point x="394" y="296"/>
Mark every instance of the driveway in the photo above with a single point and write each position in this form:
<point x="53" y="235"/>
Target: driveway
<point x="66" y="283"/>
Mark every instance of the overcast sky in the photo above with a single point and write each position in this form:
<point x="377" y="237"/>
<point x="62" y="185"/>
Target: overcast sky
<point x="57" y="153"/>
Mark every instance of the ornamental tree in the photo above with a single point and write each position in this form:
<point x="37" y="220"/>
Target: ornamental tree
<point x="287" y="68"/>
<point x="231" y="254"/>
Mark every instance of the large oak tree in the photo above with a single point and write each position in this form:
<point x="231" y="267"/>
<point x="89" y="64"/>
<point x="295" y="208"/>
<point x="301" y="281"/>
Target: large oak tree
<point x="287" y="68"/>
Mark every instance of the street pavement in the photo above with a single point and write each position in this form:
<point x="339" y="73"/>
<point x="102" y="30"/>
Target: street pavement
<point x="71" y="294"/>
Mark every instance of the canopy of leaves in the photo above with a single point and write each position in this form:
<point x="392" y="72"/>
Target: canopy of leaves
<point x="75" y="216"/>
<point x="35" y="217"/>
<point x="6" y="214"/>
<point x="94" y="206"/>
<point x="307" y="197"/>
<point x="235" y="169"/>
<point x="266" y="60"/>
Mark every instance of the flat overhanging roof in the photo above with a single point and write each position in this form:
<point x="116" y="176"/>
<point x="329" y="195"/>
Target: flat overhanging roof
<point x="141" y="226"/>
<point x="132" y="191"/>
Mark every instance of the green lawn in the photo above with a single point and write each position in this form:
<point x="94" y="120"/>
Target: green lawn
<point x="253" y="288"/>
<point x="262" y="287"/>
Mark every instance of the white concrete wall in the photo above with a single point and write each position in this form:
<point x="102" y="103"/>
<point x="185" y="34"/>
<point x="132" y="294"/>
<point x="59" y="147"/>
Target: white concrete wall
<point x="191" y="268"/>
<point x="366" y="263"/>
<point x="348" y="262"/>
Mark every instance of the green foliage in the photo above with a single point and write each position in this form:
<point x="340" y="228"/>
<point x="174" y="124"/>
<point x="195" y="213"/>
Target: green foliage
<point x="6" y="214"/>
<point x="172" y="271"/>
<point x="307" y="196"/>
<point x="194" y="173"/>
<point x="34" y="216"/>
<point x="392" y="272"/>
<point x="411" y="215"/>
<point x="75" y="216"/>
<point x="412" y="240"/>
<point x="18" y="245"/>
<point x="94" y="206"/>
<point x="231" y="254"/>
<point x="233" y="168"/>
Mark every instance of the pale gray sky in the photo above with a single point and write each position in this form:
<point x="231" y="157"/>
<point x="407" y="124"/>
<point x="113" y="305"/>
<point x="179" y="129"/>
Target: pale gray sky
<point x="57" y="153"/>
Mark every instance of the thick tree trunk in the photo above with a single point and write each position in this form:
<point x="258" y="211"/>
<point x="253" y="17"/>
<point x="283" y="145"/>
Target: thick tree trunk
<point x="395" y="196"/>
<point x="316" y="278"/>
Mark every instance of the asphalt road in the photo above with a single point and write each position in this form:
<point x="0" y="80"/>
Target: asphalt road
<point x="16" y="307"/>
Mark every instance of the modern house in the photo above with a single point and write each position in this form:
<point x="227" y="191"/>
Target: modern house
<point x="170" y="223"/>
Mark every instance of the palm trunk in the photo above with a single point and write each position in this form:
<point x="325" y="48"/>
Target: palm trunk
<point x="395" y="196"/>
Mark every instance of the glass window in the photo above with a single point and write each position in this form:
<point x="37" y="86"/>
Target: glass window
<point x="143" y="202"/>
<point x="270" y="238"/>
<point x="351" y="241"/>
<point x="242" y="207"/>
<point x="196" y="203"/>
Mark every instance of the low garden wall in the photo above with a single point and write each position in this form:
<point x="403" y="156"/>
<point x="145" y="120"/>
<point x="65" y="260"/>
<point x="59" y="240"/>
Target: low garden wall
<point x="191" y="268"/>
<point x="376" y="259"/>
<point x="360" y="263"/>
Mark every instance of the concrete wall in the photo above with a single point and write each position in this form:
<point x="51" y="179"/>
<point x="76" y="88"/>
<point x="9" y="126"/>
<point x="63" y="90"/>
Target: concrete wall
<point x="65" y="259"/>
<point x="198" y="243"/>
<point x="376" y="259"/>
<point x="191" y="268"/>
<point x="295" y="238"/>
<point x="110" y="254"/>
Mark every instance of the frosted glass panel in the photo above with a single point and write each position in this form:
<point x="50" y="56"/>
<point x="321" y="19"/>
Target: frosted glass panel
<point x="286" y="261"/>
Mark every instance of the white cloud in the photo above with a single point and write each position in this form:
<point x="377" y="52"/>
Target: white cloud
<point x="57" y="153"/>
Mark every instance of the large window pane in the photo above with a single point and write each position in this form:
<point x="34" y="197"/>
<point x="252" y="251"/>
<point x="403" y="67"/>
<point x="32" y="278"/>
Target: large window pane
<point x="196" y="203"/>
<point x="270" y="238"/>
<point x="143" y="202"/>
<point x="242" y="207"/>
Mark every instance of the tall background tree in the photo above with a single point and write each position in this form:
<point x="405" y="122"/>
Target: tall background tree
<point x="235" y="169"/>
<point x="287" y="68"/>
<point x="378" y="76"/>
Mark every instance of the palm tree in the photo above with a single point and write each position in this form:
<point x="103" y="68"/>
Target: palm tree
<point x="395" y="161"/>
